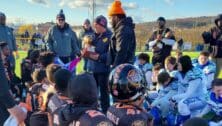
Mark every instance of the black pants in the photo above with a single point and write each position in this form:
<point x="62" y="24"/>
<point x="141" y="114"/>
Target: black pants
<point x="102" y="84"/>
<point x="65" y="59"/>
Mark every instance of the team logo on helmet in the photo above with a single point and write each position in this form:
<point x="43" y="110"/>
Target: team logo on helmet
<point x="138" y="123"/>
<point x="104" y="123"/>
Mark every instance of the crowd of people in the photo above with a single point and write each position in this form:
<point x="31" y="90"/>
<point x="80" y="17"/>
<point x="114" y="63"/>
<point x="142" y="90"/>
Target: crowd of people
<point x="117" y="88"/>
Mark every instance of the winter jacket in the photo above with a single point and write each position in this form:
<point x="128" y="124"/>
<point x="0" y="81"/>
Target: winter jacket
<point x="101" y="43"/>
<point x="123" y="45"/>
<point x="62" y="42"/>
<point x="81" y="115"/>
<point x="6" y="34"/>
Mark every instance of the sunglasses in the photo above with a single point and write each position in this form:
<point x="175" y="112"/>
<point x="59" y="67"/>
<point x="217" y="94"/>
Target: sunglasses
<point x="61" y="19"/>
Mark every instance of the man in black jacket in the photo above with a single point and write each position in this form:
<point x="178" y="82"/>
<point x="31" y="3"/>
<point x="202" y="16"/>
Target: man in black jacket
<point x="123" y="44"/>
<point x="161" y="42"/>
<point x="213" y="38"/>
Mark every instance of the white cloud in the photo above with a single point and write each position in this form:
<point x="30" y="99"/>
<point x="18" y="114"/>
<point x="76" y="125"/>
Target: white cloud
<point x="77" y="3"/>
<point x="130" y="5"/>
<point x="149" y="12"/>
<point x="99" y="4"/>
<point x="138" y="19"/>
<point x="16" y="20"/>
<point x="42" y="2"/>
<point x="169" y="2"/>
<point x="83" y="3"/>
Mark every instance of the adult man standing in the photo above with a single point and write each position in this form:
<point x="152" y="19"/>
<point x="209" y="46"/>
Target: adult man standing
<point x="123" y="44"/>
<point x="99" y="67"/>
<point x="161" y="42"/>
<point x="62" y="40"/>
<point x="213" y="38"/>
<point x="6" y="35"/>
<point x="7" y="103"/>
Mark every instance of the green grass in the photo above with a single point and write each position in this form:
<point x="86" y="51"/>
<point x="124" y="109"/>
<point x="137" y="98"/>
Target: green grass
<point x="22" y="55"/>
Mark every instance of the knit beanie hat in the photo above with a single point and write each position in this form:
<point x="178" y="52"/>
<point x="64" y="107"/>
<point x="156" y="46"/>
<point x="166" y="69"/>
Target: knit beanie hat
<point x="116" y="8"/>
<point x="87" y="21"/>
<point x="2" y="14"/>
<point x="101" y="20"/>
<point x="61" y="15"/>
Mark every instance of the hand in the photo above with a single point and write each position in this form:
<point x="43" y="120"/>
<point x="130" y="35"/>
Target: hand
<point x="159" y="37"/>
<point x="18" y="113"/>
<point x="214" y="34"/>
<point x="173" y="103"/>
<point x="17" y="56"/>
<point x="168" y="34"/>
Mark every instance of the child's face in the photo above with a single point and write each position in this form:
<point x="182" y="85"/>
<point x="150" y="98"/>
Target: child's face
<point x="141" y="61"/>
<point x="169" y="66"/>
<point x="166" y="82"/>
<point x="202" y="59"/>
<point x="218" y="90"/>
<point x="154" y="75"/>
<point x="179" y="67"/>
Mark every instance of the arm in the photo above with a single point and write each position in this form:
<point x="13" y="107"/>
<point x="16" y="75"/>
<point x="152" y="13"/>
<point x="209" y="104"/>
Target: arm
<point x="205" y="111"/>
<point x="164" y="98"/>
<point x="193" y="85"/>
<point x="49" y="40"/>
<point x="169" y="42"/>
<point x="14" y="46"/>
<point x="103" y="57"/>
<point x="7" y="100"/>
<point x="148" y="76"/>
<point x="74" y="44"/>
<point x="122" y="41"/>
<point x="14" y="43"/>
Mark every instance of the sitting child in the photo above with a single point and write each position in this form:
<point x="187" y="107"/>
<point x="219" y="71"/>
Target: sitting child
<point x="207" y="66"/>
<point x="144" y="65"/>
<point x="168" y="88"/>
<point x="87" y="51"/>
<point x="213" y="111"/>
<point x="171" y="66"/>
<point x="155" y="71"/>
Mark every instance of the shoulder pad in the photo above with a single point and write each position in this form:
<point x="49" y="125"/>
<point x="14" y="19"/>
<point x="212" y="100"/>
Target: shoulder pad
<point x="193" y="74"/>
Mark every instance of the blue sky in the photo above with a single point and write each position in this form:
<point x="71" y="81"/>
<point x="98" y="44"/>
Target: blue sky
<point x="38" y="11"/>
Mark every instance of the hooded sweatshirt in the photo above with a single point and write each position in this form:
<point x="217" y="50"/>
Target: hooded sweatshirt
<point x="82" y="115"/>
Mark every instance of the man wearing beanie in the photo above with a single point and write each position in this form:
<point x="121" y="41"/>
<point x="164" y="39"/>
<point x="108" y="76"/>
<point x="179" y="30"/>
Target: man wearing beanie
<point x="100" y="68"/>
<point x="62" y="40"/>
<point x="123" y="44"/>
<point x="161" y="42"/>
<point x="83" y="112"/>
<point x="6" y="35"/>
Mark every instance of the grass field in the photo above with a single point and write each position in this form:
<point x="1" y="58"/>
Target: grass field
<point x="23" y="54"/>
